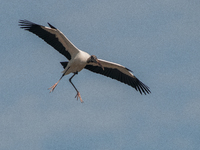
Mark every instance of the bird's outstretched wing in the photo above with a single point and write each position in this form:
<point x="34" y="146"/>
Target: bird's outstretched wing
<point x="120" y="73"/>
<point x="52" y="36"/>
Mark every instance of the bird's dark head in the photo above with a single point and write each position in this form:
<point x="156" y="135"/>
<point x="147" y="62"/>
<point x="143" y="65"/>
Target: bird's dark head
<point x="93" y="59"/>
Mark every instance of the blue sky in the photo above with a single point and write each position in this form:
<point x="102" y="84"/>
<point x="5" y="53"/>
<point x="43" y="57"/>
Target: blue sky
<point x="157" y="40"/>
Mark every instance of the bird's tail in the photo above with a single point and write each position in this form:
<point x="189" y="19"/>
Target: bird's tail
<point x="64" y="64"/>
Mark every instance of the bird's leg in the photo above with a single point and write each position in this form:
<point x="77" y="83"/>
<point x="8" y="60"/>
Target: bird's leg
<point x="78" y="95"/>
<point x="54" y="86"/>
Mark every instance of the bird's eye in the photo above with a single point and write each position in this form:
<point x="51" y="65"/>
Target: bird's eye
<point x="93" y="58"/>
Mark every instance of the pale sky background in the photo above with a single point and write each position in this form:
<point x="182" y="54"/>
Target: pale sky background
<point x="159" y="40"/>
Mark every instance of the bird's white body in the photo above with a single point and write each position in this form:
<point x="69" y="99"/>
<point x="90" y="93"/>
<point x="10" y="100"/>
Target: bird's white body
<point x="77" y="63"/>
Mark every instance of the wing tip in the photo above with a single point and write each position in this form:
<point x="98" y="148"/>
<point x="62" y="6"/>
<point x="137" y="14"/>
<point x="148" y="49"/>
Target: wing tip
<point x="142" y="88"/>
<point x="25" y="24"/>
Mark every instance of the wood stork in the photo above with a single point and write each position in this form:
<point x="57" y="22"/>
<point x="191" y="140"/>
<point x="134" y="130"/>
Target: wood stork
<point x="79" y="59"/>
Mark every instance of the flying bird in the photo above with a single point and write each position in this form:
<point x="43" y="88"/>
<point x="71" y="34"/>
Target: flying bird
<point x="79" y="59"/>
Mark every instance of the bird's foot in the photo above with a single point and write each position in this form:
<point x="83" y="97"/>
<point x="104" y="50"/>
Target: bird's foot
<point x="78" y="95"/>
<point x="52" y="88"/>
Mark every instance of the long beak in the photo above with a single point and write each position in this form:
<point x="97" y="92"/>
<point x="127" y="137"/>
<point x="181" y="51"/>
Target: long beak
<point x="100" y="64"/>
